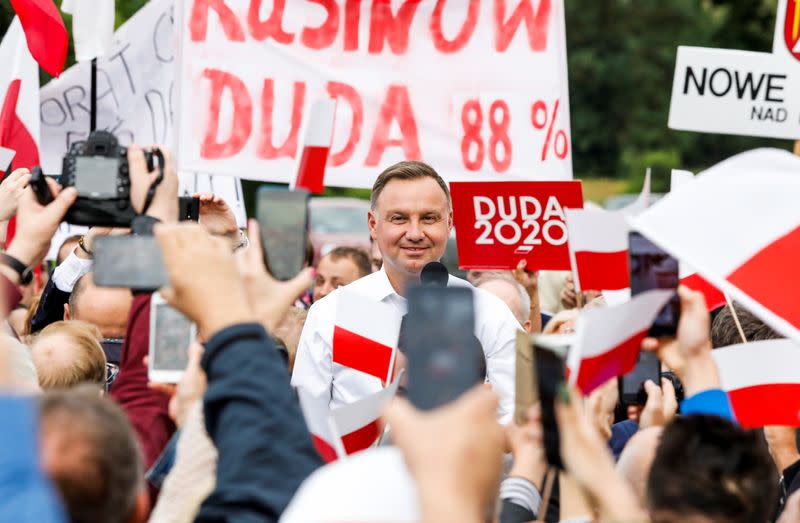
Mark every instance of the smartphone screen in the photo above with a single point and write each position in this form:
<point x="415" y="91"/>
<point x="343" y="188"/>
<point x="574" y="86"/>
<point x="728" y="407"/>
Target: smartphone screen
<point x="548" y="355"/>
<point x="170" y="335"/>
<point x="652" y="268"/>
<point x="134" y="262"/>
<point x="631" y="385"/>
<point x="445" y="359"/>
<point x="96" y="176"/>
<point x="188" y="208"/>
<point x="283" y="217"/>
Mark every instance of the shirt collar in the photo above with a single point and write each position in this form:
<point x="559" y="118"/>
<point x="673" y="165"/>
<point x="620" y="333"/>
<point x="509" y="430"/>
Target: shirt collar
<point x="381" y="287"/>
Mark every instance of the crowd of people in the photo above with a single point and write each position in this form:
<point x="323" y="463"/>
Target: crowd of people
<point x="86" y="438"/>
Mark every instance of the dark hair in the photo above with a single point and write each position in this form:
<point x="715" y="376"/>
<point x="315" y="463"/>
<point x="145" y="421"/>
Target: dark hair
<point x="99" y="470"/>
<point x="724" y="331"/>
<point x="409" y="170"/>
<point x="357" y="256"/>
<point x="708" y="466"/>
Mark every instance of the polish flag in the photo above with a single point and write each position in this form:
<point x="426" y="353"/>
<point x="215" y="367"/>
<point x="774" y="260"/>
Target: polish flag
<point x="608" y="339"/>
<point x="346" y="430"/>
<point x="316" y="146"/>
<point x="738" y="224"/>
<point x="365" y="335"/>
<point x="762" y="379"/>
<point x="688" y="276"/>
<point x="316" y="412"/>
<point x="598" y="244"/>
<point x="45" y="32"/>
<point x="358" y="424"/>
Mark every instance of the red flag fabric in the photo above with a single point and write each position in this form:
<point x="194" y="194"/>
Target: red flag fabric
<point x="365" y="335"/>
<point x="316" y="146"/>
<point x="738" y="224"/>
<point x="44" y="29"/>
<point x="762" y="380"/>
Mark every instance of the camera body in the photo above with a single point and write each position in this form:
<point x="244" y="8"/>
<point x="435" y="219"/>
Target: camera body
<point x="98" y="169"/>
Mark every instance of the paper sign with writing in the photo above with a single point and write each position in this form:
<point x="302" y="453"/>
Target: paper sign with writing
<point x="735" y="92"/>
<point x="500" y="223"/>
<point x="474" y="88"/>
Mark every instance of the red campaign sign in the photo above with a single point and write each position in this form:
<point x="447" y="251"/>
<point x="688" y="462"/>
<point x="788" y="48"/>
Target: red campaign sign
<point x="500" y="223"/>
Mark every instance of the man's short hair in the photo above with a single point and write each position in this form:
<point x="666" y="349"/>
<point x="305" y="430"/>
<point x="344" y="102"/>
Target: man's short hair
<point x="707" y="466"/>
<point x="97" y="468"/>
<point x="357" y="256"/>
<point x="523" y="314"/>
<point x="87" y="364"/>
<point x="83" y="283"/>
<point x="724" y="331"/>
<point x="408" y="170"/>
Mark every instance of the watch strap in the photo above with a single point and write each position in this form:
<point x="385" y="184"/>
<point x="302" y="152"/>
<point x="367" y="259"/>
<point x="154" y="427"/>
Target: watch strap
<point x="25" y="273"/>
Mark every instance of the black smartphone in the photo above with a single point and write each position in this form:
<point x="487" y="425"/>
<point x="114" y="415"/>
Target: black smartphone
<point x="134" y="262"/>
<point x="283" y="218"/>
<point x="445" y="359"/>
<point x="549" y="354"/>
<point x="652" y="268"/>
<point x="631" y="385"/>
<point x="188" y="208"/>
<point x="39" y="185"/>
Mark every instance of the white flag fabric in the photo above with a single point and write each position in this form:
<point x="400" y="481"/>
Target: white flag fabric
<point x="373" y="486"/>
<point x="608" y="339"/>
<point x="738" y="224"/>
<point x="762" y="380"/>
<point x="6" y="155"/>
<point x="316" y="147"/>
<point x="92" y="27"/>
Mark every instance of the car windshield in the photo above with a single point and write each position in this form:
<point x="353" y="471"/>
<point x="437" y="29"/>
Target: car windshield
<point x="339" y="220"/>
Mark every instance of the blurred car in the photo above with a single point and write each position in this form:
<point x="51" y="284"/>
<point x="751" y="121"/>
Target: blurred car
<point x="337" y="222"/>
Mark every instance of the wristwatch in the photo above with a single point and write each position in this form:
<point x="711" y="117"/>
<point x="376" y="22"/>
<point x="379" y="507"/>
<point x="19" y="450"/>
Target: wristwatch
<point x="25" y="272"/>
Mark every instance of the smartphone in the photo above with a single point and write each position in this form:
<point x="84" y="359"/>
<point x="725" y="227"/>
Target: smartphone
<point x="549" y="355"/>
<point x="283" y="217"/>
<point x="188" y="208"/>
<point x="652" y="268"/>
<point x="134" y="262"/>
<point x="445" y="359"/>
<point x="527" y="392"/>
<point x="631" y="385"/>
<point x="171" y="333"/>
<point x="40" y="187"/>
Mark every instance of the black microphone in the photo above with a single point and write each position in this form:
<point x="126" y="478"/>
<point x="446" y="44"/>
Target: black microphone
<point x="434" y="274"/>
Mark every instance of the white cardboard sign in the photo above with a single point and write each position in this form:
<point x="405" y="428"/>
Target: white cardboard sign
<point x="742" y="92"/>
<point x="476" y="89"/>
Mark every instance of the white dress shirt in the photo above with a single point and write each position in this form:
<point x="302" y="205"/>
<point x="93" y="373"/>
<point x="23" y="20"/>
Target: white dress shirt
<point x="315" y="372"/>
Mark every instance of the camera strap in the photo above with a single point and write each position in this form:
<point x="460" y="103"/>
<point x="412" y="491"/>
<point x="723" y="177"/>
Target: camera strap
<point x="151" y="192"/>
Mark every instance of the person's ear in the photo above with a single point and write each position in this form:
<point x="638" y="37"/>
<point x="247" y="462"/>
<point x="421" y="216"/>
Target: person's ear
<point x="450" y="220"/>
<point x="527" y="325"/>
<point x="141" y="509"/>
<point x="66" y="312"/>
<point x="372" y="221"/>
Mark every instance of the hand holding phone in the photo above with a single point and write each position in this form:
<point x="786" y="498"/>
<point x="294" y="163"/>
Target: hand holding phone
<point x="631" y="385"/>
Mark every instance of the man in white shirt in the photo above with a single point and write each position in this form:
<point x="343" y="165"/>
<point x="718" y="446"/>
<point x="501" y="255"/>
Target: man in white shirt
<point x="410" y="220"/>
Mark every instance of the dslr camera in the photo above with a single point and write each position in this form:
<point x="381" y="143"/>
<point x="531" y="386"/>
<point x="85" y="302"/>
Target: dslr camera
<point x="98" y="169"/>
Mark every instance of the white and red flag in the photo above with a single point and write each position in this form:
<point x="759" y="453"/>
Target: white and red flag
<point x="598" y="244"/>
<point x="340" y="432"/>
<point x="316" y="147"/>
<point x="92" y="26"/>
<point x="762" y="379"/>
<point x="738" y="225"/>
<point x="45" y="33"/>
<point x="608" y="339"/>
<point x="365" y="335"/>
<point x="688" y="276"/>
<point x="19" y="100"/>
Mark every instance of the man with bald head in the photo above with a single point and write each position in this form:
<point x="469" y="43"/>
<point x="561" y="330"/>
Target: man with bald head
<point x="512" y="293"/>
<point x="106" y="308"/>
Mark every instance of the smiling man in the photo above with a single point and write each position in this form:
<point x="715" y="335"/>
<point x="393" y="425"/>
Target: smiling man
<point x="410" y="221"/>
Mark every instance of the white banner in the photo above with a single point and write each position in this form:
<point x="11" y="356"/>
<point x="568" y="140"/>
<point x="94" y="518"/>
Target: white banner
<point x="134" y="100"/>
<point x="735" y="92"/>
<point x="476" y="89"/>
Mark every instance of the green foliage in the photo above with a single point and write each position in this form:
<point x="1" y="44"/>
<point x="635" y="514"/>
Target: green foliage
<point x="660" y="161"/>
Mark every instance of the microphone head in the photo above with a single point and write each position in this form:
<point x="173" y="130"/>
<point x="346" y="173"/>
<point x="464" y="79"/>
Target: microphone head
<point x="434" y="274"/>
